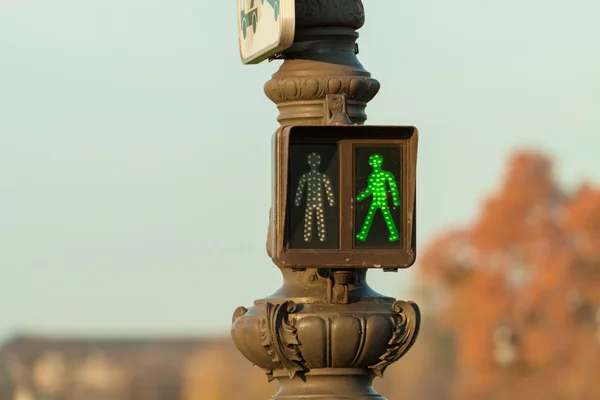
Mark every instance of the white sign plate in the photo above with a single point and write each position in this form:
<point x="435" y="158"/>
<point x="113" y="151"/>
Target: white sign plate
<point x="265" y="28"/>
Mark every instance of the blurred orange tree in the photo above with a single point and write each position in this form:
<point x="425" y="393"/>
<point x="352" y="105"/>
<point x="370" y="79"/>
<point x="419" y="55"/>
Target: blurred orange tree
<point x="520" y="290"/>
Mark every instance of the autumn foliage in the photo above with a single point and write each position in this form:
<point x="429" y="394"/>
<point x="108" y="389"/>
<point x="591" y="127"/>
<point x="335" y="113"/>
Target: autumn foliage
<point x="520" y="290"/>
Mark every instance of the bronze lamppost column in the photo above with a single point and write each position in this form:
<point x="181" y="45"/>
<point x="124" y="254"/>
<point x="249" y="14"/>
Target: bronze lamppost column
<point x="325" y="334"/>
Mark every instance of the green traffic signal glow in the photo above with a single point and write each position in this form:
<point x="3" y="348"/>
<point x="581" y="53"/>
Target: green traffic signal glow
<point x="377" y="187"/>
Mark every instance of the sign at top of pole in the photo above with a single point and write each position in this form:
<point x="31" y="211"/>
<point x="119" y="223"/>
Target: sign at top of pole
<point x="265" y="28"/>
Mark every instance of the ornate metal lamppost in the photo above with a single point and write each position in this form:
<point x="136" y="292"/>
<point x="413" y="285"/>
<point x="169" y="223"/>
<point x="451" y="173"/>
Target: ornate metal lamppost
<point x="325" y="334"/>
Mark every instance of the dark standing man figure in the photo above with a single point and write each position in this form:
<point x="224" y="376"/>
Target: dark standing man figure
<point x="314" y="181"/>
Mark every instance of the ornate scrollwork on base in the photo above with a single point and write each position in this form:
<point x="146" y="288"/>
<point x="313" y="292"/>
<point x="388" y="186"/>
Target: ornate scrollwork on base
<point x="278" y="336"/>
<point x="407" y="322"/>
<point x="239" y="312"/>
<point x="286" y="340"/>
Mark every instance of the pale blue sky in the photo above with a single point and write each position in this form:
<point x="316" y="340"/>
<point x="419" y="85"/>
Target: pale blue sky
<point x="116" y="215"/>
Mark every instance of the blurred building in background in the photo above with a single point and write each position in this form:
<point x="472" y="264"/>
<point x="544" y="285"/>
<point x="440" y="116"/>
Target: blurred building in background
<point x="38" y="368"/>
<point x="511" y="308"/>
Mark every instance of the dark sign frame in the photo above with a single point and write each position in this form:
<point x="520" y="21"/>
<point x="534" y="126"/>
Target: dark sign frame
<point x="347" y="138"/>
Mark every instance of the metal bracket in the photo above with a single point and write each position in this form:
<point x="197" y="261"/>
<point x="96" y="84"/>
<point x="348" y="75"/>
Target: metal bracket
<point x="337" y="286"/>
<point x="336" y="110"/>
<point x="277" y="56"/>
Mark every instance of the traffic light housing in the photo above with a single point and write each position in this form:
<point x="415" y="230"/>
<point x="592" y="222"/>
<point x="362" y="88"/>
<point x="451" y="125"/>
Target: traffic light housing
<point x="344" y="197"/>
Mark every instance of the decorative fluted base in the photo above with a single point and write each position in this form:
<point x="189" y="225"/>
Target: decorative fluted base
<point x="328" y="384"/>
<point x="317" y="349"/>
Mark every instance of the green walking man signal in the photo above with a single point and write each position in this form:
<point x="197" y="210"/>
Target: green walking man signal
<point x="343" y="197"/>
<point x="377" y="188"/>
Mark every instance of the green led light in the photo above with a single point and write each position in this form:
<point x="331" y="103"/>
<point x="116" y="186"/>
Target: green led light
<point x="377" y="189"/>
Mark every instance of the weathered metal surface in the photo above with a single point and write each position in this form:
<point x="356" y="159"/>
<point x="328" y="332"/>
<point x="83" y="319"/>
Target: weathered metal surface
<point x="345" y="254"/>
<point x="325" y="334"/>
<point x="295" y="338"/>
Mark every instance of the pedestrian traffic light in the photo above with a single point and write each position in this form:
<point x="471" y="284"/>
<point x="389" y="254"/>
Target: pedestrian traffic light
<point x="344" y="197"/>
